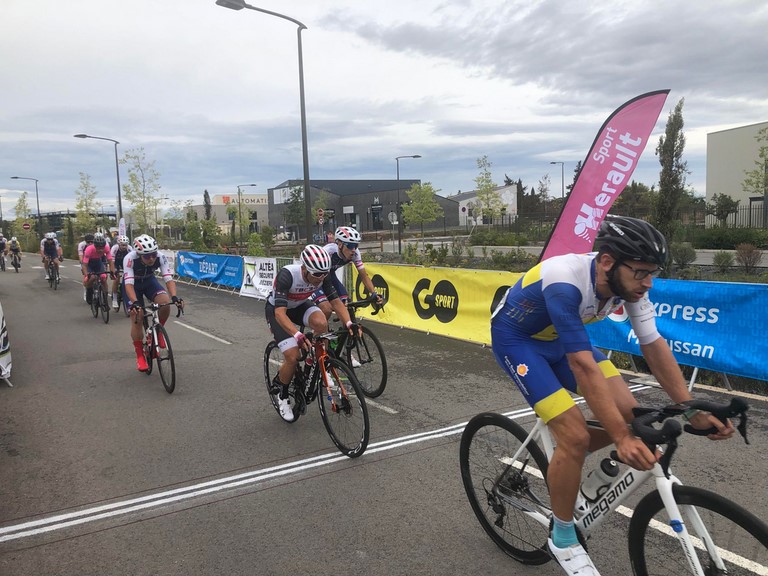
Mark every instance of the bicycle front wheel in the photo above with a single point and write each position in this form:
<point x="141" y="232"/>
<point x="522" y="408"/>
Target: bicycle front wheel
<point x="51" y="276"/>
<point x="343" y="408"/>
<point x="505" y="484"/>
<point x="367" y="360"/>
<point x="164" y="355"/>
<point x="104" y="305"/>
<point x="95" y="298"/>
<point x="739" y="538"/>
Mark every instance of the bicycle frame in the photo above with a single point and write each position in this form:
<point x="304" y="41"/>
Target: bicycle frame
<point x="312" y="385"/>
<point x="619" y="491"/>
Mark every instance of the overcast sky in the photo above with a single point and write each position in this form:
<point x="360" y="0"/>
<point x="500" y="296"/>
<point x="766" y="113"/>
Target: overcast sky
<point x="211" y="94"/>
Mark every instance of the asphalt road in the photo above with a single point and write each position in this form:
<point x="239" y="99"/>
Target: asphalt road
<point x="103" y="472"/>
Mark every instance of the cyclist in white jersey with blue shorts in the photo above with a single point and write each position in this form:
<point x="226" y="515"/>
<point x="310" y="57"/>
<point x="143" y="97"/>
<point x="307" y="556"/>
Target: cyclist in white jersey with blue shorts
<point x="539" y="339"/>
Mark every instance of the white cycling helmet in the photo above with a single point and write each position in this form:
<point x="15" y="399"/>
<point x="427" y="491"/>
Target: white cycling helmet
<point x="13" y="239"/>
<point x="50" y="236"/>
<point x="348" y="234"/>
<point x="315" y="259"/>
<point x="145" y="244"/>
<point x="123" y="240"/>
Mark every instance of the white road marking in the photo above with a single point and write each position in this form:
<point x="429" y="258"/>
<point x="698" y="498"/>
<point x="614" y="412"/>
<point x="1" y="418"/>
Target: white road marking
<point x="188" y="327"/>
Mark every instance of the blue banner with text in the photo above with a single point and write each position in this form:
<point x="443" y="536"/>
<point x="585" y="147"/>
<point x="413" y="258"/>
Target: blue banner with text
<point x="216" y="268"/>
<point x="712" y="325"/>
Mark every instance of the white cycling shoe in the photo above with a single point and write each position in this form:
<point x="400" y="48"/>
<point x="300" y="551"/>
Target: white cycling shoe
<point x="574" y="560"/>
<point x="286" y="410"/>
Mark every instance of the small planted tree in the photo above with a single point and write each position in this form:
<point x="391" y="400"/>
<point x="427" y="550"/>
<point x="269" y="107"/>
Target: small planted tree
<point x="748" y="256"/>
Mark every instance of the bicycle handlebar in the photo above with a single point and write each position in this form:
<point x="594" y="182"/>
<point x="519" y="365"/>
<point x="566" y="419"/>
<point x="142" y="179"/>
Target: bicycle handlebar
<point x="370" y="300"/>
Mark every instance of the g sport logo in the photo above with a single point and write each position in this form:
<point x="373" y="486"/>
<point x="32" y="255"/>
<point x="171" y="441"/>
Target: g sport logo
<point x="382" y="288"/>
<point x="502" y="290"/>
<point x="442" y="303"/>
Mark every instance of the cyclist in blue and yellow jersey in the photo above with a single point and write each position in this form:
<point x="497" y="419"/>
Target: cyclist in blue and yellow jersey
<point x="50" y="250"/>
<point x="539" y="339"/>
<point x="289" y="304"/>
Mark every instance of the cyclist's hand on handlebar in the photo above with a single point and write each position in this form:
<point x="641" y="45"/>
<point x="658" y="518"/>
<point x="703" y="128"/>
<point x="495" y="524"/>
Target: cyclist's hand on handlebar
<point x="354" y="329"/>
<point x="178" y="301"/>
<point x="705" y="420"/>
<point x="633" y="452"/>
<point x="135" y="306"/>
<point x="302" y="340"/>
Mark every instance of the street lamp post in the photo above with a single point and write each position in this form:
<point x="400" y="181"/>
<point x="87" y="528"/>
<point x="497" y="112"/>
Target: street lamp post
<point x="399" y="213"/>
<point x="37" y="198"/>
<point x="239" y="5"/>
<point x="240" y="212"/>
<point x="562" y="178"/>
<point x="117" y="171"/>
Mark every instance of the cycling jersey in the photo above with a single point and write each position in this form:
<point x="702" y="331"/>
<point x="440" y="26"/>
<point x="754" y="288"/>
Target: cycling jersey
<point x="541" y="319"/>
<point x="50" y="247"/>
<point x="136" y="271"/>
<point x="290" y="290"/>
<point x="15" y="247"/>
<point x="81" y="248"/>
<point x="119" y="255"/>
<point x="338" y="261"/>
<point x="94" y="258"/>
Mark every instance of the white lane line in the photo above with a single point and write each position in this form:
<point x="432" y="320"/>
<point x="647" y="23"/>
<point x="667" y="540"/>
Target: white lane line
<point x="61" y="521"/>
<point x="188" y="327"/>
<point x="381" y="407"/>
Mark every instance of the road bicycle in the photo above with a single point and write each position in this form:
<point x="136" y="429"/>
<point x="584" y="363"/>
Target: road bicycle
<point x="363" y="352"/>
<point x="2" y="261"/>
<point x="675" y="529"/>
<point x="322" y="376"/>
<point x="16" y="261"/>
<point x="99" y="300"/>
<point x="119" y="295"/>
<point x="53" y="275"/>
<point x="157" y="345"/>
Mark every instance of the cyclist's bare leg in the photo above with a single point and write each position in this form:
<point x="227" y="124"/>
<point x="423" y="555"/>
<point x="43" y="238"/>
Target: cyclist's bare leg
<point x="165" y="311"/>
<point x="326" y="308"/>
<point x="318" y="323"/>
<point x="564" y="475"/>
<point x="290" y="360"/>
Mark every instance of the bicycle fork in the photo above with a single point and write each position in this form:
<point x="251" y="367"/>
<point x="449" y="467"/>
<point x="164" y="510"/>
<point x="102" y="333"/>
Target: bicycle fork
<point x="678" y="527"/>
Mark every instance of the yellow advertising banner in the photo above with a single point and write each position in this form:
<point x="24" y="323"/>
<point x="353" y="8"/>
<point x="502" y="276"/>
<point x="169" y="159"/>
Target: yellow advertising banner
<point x="447" y="301"/>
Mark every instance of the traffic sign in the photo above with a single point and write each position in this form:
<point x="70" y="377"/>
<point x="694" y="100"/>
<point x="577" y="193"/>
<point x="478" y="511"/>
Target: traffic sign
<point x="392" y="217"/>
<point x="320" y="212"/>
<point x="26" y="226"/>
<point x="321" y="220"/>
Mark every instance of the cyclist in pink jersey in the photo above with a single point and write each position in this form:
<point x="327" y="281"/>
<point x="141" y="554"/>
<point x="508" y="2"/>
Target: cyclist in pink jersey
<point x="93" y="262"/>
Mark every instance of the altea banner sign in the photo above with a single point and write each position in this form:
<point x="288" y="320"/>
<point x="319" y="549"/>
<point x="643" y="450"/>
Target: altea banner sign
<point x="604" y="174"/>
<point x="259" y="277"/>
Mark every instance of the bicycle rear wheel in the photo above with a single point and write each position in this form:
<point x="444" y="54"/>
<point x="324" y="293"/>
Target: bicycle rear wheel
<point x="2" y="263"/>
<point x="164" y="354"/>
<point x="273" y="359"/>
<point x="367" y="360"/>
<point x="343" y="409"/>
<point x="148" y="351"/>
<point x="51" y="276"/>
<point x="740" y="537"/>
<point x="95" y="299"/>
<point x="502" y="489"/>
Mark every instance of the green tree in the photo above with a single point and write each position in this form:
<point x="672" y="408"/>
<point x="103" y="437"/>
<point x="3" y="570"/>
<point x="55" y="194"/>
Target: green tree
<point x="255" y="247"/>
<point x="422" y="206"/>
<point x="576" y="172"/>
<point x="211" y="234"/>
<point x="23" y="213"/>
<point x="193" y="233"/>
<point x="178" y="215"/>
<point x="294" y="209"/>
<point x="636" y="200"/>
<point x="756" y="181"/>
<point x="487" y="194"/>
<point x="673" y="173"/>
<point x="267" y="236"/>
<point x="86" y="205"/>
<point x="207" y="205"/>
<point x="542" y="191"/>
<point x="142" y="188"/>
<point x="721" y="207"/>
<point x="71" y="247"/>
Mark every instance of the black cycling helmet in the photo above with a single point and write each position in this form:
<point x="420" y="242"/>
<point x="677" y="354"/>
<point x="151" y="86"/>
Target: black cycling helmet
<point x="88" y="237"/>
<point x="632" y="239"/>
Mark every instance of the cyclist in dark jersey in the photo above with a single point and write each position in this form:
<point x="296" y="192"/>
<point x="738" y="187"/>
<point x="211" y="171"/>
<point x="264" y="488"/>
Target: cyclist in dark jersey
<point x="119" y="252"/>
<point x="289" y="305"/>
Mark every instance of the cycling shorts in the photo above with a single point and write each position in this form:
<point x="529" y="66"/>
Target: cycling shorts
<point x="318" y="296"/>
<point x="150" y="288"/>
<point x="51" y="253"/>
<point x="299" y="316"/>
<point x="541" y="372"/>
<point x="96" y="266"/>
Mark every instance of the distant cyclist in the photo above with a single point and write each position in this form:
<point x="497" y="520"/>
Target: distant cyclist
<point x="15" y="248"/>
<point x="94" y="257"/>
<point x="3" y="245"/>
<point x="87" y="241"/>
<point x="344" y="250"/>
<point x="50" y="251"/>
<point x="119" y="252"/>
<point x="139" y="281"/>
<point x="289" y="305"/>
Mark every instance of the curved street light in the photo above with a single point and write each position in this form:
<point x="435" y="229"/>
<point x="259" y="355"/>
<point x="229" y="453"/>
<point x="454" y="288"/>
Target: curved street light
<point x="399" y="212"/>
<point x="239" y="5"/>
<point x="562" y="178"/>
<point x="117" y="171"/>
<point x="37" y="198"/>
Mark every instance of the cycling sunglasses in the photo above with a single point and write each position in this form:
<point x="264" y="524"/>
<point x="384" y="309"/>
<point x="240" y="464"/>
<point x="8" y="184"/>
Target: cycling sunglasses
<point x="350" y="245"/>
<point x="317" y="274"/>
<point x="149" y="256"/>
